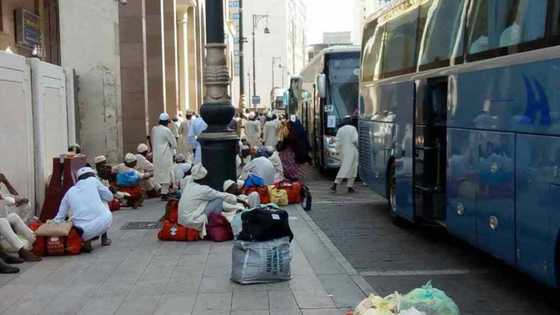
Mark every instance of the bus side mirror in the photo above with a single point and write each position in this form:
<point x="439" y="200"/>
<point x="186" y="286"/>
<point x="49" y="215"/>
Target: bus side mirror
<point x="322" y="85"/>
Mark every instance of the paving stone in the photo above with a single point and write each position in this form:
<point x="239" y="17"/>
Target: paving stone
<point x="250" y="301"/>
<point x="282" y="300"/>
<point x="215" y="284"/>
<point x="101" y="306"/>
<point x="308" y="299"/>
<point x="138" y="305"/>
<point x="176" y="305"/>
<point x="213" y="301"/>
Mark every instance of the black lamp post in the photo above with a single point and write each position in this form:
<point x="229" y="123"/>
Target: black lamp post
<point x="256" y="19"/>
<point x="218" y="142"/>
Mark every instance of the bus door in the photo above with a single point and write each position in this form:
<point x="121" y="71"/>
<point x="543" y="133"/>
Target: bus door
<point x="430" y="149"/>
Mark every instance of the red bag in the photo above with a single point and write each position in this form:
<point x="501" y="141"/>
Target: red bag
<point x="55" y="246"/>
<point x="172" y="211"/>
<point x="114" y="205"/>
<point x="218" y="228"/>
<point x="39" y="247"/>
<point x="73" y="243"/>
<point x="176" y="232"/>
<point x="136" y="193"/>
<point x="262" y="191"/>
<point x="294" y="190"/>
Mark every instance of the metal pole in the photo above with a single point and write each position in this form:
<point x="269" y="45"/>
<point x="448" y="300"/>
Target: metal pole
<point x="241" y="59"/>
<point x="254" y="64"/>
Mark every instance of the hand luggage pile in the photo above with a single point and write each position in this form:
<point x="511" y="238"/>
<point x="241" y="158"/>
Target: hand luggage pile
<point x="421" y="301"/>
<point x="56" y="239"/>
<point x="171" y="230"/>
<point x="261" y="253"/>
<point x="296" y="192"/>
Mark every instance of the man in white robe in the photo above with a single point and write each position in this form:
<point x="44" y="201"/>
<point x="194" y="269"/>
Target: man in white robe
<point x="164" y="145"/>
<point x="253" y="131"/>
<point x="198" y="126"/>
<point x="261" y="167"/>
<point x="15" y="235"/>
<point x="184" y="145"/>
<point x="144" y="166"/>
<point x="270" y="131"/>
<point x="88" y="200"/>
<point x="180" y="170"/>
<point x="198" y="201"/>
<point x="347" y="147"/>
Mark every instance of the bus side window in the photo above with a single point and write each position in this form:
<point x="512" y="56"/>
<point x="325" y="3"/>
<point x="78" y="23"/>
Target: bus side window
<point x="371" y="51"/>
<point x="399" y="54"/>
<point x="555" y="18"/>
<point x="442" y="38"/>
<point x="504" y="23"/>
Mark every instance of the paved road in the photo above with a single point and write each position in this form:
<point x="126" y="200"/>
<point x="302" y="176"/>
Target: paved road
<point x="395" y="258"/>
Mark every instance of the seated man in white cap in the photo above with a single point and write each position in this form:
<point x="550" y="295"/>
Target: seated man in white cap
<point x="180" y="171"/>
<point x="164" y="145"/>
<point x="260" y="167"/>
<point x="104" y="170"/>
<point x="143" y="165"/>
<point x="13" y="230"/>
<point x="243" y="201"/>
<point x="129" y="165"/>
<point x="199" y="200"/>
<point x="88" y="200"/>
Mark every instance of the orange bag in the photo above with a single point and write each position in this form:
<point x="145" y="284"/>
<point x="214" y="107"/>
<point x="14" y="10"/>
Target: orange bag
<point x="294" y="190"/>
<point x="176" y="232"/>
<point x="114" y="205"/>
<point x="39" y="247"/>
<point x="172" y="211"/>
<point x="262" y="191"/>
<point x="73" y="243"/>
<point x="55" y="246"/>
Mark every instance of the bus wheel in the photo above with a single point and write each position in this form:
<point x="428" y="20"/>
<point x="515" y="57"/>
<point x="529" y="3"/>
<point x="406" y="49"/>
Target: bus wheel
<point x="392" y="194"/>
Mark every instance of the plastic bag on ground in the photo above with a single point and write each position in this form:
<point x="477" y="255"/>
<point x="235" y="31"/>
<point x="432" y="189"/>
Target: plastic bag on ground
<point x="261" y="262"/>
<point x="376" y="305"/>
<point x="430" y="301"/>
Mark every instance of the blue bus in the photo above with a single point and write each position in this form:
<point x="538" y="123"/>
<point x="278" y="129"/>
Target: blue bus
<point x="330" y="88"/>
<point x="460" y="122"/>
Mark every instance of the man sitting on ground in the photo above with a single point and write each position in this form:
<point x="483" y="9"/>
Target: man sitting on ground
<point x="199" y="200"/>
<point x="260" y="167"/>
<point x="88" y="200"/>
<point x="180" y="171"/>
<point x="143" y="165"/>
<point x="14" y="233"/>
<point x="129" y="166"/>
<point x="243" y="201"/>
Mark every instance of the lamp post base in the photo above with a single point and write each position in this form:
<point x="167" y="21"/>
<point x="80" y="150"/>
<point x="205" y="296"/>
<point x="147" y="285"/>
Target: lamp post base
<point x="218" y="156"/>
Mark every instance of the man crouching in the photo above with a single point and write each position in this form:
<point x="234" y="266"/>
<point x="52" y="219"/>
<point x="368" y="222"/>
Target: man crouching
<point x="88" y="200"/>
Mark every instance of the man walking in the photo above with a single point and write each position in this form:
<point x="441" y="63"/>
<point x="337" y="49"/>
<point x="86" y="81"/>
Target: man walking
<point x="347" y="147"/>
<point x="164" y="145"/>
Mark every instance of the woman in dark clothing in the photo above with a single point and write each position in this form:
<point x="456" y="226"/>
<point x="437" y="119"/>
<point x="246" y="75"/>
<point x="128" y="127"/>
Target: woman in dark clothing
<point x="294" y="151"/>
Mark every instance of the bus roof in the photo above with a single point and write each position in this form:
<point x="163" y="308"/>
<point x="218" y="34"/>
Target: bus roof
<point x="385" y="9"/>
<point x="331" y="50"/>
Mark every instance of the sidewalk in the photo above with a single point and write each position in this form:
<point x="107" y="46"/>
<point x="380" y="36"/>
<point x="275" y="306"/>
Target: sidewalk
<point x="140" y="275"/>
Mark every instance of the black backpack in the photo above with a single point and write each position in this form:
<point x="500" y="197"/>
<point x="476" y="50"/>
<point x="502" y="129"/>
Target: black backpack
<point x="265" y="224"/>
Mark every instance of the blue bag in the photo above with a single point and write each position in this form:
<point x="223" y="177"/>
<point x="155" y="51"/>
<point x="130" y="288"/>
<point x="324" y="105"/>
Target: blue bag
<point x="253" y="181"/>
<point x="128" y="179"/>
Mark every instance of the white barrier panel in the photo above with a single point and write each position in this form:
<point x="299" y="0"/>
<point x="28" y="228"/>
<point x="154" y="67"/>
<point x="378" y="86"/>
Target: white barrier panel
<point x="50" y="119"/>
<point x="16" y="124"/>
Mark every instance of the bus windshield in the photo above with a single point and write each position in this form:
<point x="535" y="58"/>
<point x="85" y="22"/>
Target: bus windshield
<point x="343" y="77"/>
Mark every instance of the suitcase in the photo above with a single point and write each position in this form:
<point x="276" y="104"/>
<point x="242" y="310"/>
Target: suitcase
<point x="218" y="228"/>
<point x="56" y="246"/>
<point x="265" y="224"/>
<point x="261" y="190"/>
<point x="178" y="233"/>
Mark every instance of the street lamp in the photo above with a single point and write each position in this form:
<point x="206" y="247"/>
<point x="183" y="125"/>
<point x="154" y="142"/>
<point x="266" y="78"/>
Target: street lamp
<point x="256" y="19"/>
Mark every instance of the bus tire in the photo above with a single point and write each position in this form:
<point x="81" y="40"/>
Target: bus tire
<point x="392" y="194"/>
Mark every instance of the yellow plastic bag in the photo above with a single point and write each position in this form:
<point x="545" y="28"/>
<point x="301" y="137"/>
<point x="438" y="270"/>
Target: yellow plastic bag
<point x="278" y="196"/>
<point x="376" y="305"/>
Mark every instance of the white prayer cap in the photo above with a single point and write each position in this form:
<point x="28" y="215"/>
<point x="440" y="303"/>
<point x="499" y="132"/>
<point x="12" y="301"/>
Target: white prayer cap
<point x="130" y="158"/>
<point x="84" y="170"/>
<point x="164" y="117"/>
<point x="228" y="183"/>
<point x="251" y="115"/>
<point x="269" y="115"/>
<point x="180" y="157"/>
<point x="198" y="172"/>
<point x="240" y="184"/>
<point x="142" y="147"/>
<point x="99" y="159"/>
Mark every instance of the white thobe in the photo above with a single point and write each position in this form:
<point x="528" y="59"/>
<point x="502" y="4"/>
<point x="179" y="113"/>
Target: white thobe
<point x="178" y="174"/>
<point x="347" y="147"/>
<point x="184" y="145"/>
<point x="270" y="133"/>
<point x="164" y="145"/>
<point x="253" y="132"/>
<point x="193" y="202"/>
<point x="278" y="168"/>
<point x="261" y="167"/>
<point x="146" y="167"/>
<point x="14" y="234"/>
<point x="24" y="211"/>
<point x="88" y="200"/>
<point x="197" y="127"/>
